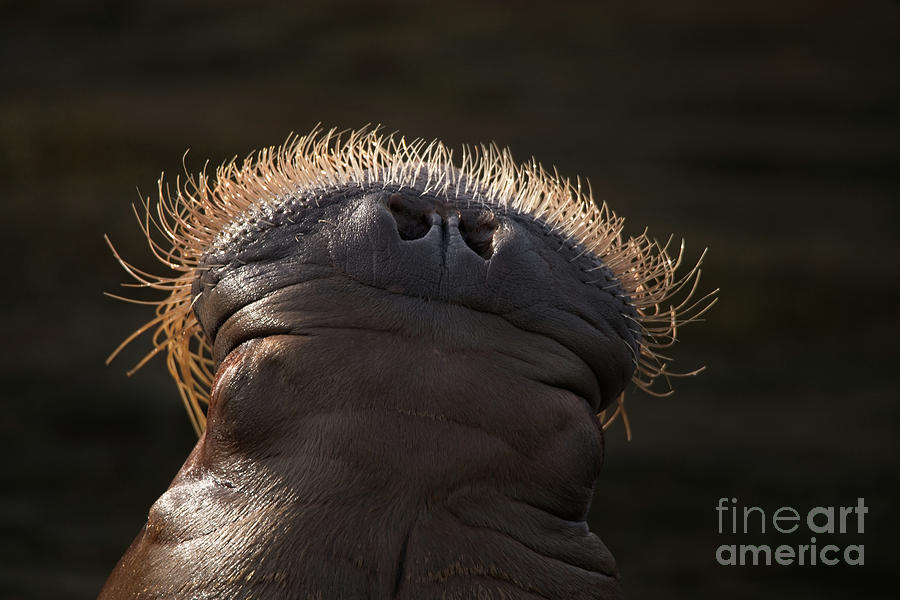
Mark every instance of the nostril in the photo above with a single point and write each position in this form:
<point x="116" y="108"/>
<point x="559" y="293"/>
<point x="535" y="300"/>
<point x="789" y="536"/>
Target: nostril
<point x="478" y="233"/>
<point x="414" y="216"/>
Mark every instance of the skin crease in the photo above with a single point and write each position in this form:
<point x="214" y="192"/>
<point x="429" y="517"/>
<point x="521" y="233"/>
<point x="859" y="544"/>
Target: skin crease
<point x="404" y="407"/>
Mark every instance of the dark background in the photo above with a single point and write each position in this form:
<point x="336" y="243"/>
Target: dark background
<point x="768" y="131"/>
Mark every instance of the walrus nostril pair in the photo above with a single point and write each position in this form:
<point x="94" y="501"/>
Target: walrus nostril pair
<point x="412" y="363"/>
<point x="416" y="216"/>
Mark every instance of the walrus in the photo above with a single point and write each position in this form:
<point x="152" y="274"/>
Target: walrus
<point x="399" y="369"/>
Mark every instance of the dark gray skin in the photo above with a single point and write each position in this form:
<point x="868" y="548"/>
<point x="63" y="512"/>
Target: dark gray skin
<point x="404" y="407"/>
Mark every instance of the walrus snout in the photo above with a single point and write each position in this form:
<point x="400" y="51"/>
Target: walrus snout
<point x="351" y="257"/>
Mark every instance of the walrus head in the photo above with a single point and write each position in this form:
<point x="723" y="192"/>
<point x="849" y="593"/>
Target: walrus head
<point x="395" y="363"/>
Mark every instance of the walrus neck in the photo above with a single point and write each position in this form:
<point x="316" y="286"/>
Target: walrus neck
<point x="428" y="468"/>
<point x="420" y="420"/>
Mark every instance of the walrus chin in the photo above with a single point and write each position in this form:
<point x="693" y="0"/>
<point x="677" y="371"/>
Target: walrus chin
<point x="396" y="366"/>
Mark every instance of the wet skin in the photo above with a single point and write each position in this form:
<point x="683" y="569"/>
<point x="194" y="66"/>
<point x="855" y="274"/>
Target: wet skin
<point x="404" y="407"/>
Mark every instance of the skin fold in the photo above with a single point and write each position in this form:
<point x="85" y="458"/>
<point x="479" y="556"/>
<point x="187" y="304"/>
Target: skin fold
<point x="403" y="407"/>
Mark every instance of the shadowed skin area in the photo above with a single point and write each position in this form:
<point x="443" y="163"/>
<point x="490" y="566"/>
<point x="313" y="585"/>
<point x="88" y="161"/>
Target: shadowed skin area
<point x="404" y="407"/>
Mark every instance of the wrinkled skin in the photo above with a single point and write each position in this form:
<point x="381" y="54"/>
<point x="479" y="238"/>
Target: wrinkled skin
<point x="403" y="408"/>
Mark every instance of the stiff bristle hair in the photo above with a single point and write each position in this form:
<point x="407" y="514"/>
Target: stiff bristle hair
<point x="190" y="221"/>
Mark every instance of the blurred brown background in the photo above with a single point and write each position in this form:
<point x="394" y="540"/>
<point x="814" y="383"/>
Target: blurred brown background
<point x="768" y="131"/>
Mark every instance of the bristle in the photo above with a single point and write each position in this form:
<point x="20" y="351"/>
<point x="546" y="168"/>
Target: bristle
<point x="181" y="228"/>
